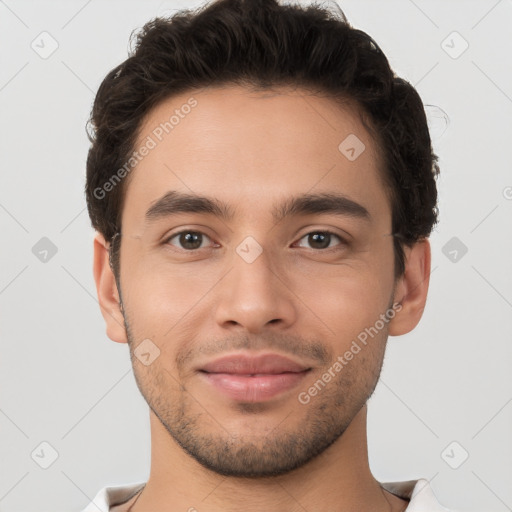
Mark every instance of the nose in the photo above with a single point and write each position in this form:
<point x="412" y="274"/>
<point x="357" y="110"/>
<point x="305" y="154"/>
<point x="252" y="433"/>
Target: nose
<point x="255" y="295"/>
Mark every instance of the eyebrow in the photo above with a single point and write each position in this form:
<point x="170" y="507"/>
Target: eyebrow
<point x="174" y="202"/>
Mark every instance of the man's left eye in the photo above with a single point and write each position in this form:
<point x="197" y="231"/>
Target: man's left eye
<point x="322" y="239"/>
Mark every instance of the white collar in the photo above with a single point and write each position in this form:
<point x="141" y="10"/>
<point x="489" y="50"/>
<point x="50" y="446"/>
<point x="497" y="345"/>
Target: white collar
<point x="419" y="492"/>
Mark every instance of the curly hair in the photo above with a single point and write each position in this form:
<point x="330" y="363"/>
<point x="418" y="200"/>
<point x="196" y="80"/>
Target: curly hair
<point x="262" y="44"/>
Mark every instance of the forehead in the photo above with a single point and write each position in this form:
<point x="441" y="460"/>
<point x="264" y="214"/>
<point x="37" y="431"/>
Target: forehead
<point x="251" y="147"/>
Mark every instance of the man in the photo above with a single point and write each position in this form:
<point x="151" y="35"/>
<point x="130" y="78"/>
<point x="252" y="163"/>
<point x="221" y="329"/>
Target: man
<point x="263" y="188"/>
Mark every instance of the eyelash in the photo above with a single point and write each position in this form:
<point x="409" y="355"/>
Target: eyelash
<point x="323" y="231"/>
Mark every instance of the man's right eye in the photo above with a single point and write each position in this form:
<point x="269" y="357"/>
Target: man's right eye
<point x="188" y="240"/>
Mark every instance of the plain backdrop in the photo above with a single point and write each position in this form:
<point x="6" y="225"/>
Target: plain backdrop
<point x="68" y="399"/>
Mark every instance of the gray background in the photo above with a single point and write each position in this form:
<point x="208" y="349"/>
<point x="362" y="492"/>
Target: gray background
<point x="63" y="382"/>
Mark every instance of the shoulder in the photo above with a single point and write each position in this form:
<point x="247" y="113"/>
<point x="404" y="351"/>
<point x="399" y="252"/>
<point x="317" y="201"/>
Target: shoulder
<point x="109" y="498"/>
<point x="419" y="493"/>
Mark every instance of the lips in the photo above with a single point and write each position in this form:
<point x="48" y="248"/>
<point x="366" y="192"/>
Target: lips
<point x="254" y="365"/>
<point x="253" y="378"/>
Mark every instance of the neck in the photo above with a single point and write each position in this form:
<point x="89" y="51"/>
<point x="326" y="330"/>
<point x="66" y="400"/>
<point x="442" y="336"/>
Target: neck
<point x="339" y="479"/>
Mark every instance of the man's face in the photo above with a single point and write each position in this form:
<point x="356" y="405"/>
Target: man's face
<point x="209" y="292"/>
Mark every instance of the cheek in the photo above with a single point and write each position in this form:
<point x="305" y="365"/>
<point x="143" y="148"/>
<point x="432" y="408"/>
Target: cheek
<point x="160" y="298"/>
<point x="347" y="302"/>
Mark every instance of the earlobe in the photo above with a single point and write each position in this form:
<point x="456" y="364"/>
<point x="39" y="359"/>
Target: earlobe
<point x="106" y="288"/>
<point x="411" y="289"/>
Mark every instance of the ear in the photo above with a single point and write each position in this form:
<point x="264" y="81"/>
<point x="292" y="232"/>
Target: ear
<point x="411" y="288"/>
<point x="106" y="288"/>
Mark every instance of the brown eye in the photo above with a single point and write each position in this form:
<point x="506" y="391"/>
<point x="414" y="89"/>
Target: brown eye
<point x="188" y="240"/>
<point x="321" y="239"/>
